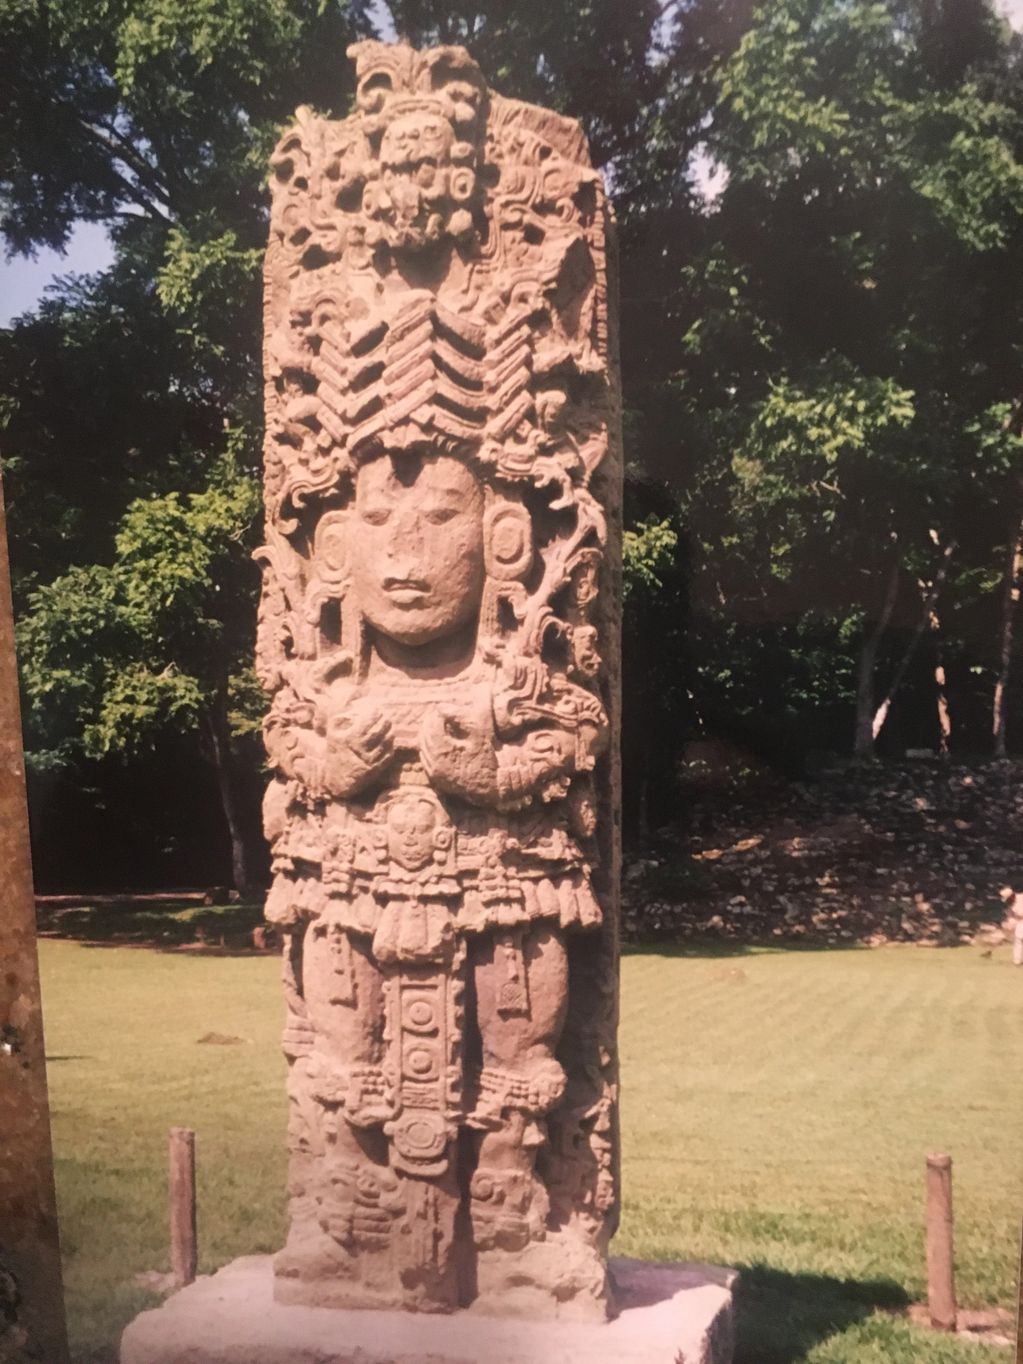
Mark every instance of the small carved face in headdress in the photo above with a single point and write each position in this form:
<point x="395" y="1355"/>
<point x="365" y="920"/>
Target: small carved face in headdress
<point x="411" y="832"/>
<point x="420" y="194"/>
<point x="417" y="561"/>
<point x="416" y="142"/>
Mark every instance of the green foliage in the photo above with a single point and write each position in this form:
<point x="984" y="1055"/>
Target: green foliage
<point x="166" y="114"/>
<point x="201" y="281"/>
<point x="996" y="435"/>
<point x="841" y="415"/>
<point x="807" y="471"/>
<point x="792" y="91"/>
<point x="111" y="654"/>
<point x="591" y="59"/>
<point x="157" y="107"/>
<point x="850" y="320"/>
<point x="821" y="362"/>
<point x="246" y="702"/>
<point x="131" y="401"/>
<point x="655" y="681"/>
<point x="156" y="117"/>
<point x="647" y="551"/>
<point x="975" y="185"/>
<point x="135" y="701"/>
<point x="162" y="38"/>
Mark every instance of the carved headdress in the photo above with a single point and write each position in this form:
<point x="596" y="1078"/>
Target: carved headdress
<point x="435" y="282"/>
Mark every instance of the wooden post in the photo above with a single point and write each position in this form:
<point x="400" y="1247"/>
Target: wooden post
<point x="31" y="1295"/>
<point x="184" y="1256"/>
<point x="941" y="1288"/>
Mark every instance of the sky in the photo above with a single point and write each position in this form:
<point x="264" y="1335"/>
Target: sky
<point x="23" y="280"/>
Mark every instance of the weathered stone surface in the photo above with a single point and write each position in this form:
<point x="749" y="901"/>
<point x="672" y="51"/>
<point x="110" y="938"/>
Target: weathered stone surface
<point x="31" y="1296"/>
<point x="670" y="1314"/>
<point x="439" y="637"/>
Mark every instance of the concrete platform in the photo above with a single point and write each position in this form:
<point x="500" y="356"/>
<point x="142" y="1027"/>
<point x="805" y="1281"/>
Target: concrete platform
<point x="670" y="1314"/>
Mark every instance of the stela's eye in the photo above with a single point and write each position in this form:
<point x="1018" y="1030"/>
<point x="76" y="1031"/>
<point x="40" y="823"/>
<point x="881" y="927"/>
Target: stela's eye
<point x="438" y="515"/>
<point x="375" y="516"/>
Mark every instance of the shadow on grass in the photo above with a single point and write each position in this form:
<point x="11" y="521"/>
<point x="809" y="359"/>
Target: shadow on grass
<point x="166" y="926"/>
<point x="717" y="947"/>
<point x="724" y="948"/>
<point x="229" y="947"/>
<point x="780" y="1317"/>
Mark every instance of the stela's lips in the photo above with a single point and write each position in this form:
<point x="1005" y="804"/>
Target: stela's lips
<point x="406" y="591"/>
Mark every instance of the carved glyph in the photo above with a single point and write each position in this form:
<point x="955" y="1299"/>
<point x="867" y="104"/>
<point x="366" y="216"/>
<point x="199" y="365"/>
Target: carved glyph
<point x="437" y="636"/>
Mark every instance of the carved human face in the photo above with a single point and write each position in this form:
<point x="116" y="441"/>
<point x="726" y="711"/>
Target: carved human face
<point x="419" y="196"/>
<point x="416" y="140"/>
<point x="410" y="199"/>
<point x="417" y="546"/>
<point x="410" y="827"/>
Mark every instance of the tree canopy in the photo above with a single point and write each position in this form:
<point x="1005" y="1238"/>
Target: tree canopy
<point x="821" y="358"/>
<point x="845" y="395"/>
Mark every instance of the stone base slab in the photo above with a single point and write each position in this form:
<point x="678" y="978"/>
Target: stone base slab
<point x="669" y="1314"/>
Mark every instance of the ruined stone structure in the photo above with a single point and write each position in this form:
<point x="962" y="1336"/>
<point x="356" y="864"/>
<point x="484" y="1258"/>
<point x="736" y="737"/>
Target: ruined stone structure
<point x="438" y="634"/>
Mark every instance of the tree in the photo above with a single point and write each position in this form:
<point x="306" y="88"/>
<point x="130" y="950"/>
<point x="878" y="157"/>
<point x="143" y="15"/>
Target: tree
<point x="654" y="676"/>
<point x="159" y="109"/>
<point x="130" y="403"/>
<point x="820" y="362"/>
<point x="111" y="654"/>
<point x="850" y="317"/>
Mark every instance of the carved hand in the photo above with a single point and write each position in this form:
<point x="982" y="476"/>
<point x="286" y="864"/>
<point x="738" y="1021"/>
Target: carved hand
<point x="359" y="743"/>
<point x="457" y="747"/>
<point x="541" y="763"/>
<point x="294" y="747"/>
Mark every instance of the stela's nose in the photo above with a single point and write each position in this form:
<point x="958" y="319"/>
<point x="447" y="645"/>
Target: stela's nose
<point x="406" y="541"/>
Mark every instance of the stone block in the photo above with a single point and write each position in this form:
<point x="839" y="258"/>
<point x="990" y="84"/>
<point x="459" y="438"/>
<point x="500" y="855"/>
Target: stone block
<point x="669" y="1314"/>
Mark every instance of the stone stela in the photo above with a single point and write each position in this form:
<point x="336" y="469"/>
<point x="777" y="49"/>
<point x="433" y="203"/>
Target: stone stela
<point x="438" y="636"/>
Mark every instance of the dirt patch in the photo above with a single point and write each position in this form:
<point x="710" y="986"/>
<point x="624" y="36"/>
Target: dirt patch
<point x="922" y="852"/>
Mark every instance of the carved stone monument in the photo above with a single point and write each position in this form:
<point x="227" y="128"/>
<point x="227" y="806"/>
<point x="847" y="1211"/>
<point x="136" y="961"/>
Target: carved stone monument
<point x="439" y="636"/>
<point x="439" y="633"/>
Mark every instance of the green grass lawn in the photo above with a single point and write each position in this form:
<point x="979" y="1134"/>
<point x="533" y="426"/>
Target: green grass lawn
<point x="777" y="1106"/>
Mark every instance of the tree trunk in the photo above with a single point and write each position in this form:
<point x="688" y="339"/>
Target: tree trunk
<point x="944" y="714"/>
<point x="219" y="732"/>
<point x="863" y="743"/>
<point x="932" y="592"/>
<point x="1010" y="596"/>
<point x="940" y="693"/>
